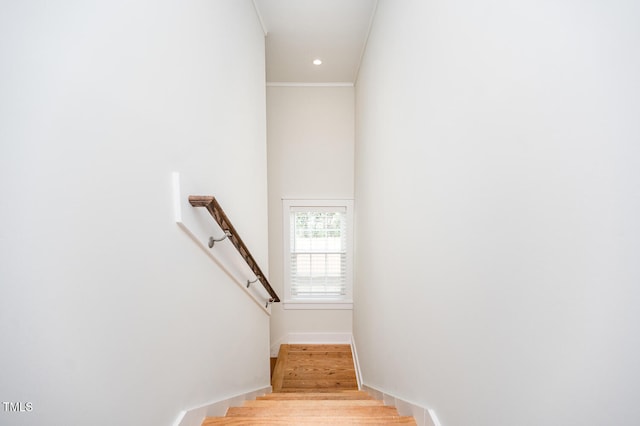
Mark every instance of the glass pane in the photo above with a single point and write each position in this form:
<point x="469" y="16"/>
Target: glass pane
<point x="318" y="232"/>
<point x="318" y="254"/>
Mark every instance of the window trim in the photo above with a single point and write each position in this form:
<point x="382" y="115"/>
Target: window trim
<point x="345" y="302"/>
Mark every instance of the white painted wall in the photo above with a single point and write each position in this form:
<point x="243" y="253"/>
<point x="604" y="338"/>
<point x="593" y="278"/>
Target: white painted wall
<point x="497" y="206"/>
<point x="310" y="133"/>
<point x="109" y="313"/>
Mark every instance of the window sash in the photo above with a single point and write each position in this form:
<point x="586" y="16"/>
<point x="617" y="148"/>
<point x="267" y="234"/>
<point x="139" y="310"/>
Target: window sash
<point x="318" y="275"/>
<point x="318" y="252"/>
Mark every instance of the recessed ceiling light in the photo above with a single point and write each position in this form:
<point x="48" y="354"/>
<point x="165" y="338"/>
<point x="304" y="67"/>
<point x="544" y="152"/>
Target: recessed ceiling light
<point x="317" y="62"/>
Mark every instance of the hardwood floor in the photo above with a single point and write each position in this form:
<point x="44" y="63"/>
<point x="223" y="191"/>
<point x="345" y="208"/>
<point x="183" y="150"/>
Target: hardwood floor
<point x="314" y="368"/>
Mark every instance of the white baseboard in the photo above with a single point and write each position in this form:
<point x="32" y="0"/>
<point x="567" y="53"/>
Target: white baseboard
<point x="311" y="339"/>
<point x="195" y="416"/>
<point x="275" y="347"/>
<point x="356" y="363"/>
<point x="423" y="416"/>
<point x="320" y="338"/>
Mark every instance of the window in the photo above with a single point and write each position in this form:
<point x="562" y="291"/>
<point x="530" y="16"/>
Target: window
<point x="318" y="247"/>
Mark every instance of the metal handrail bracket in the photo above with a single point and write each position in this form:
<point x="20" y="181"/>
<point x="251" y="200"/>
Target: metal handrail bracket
<point x="211" y="204"/>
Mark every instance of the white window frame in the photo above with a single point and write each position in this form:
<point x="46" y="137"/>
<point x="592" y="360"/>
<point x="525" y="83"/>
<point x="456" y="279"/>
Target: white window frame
<point x="343" y="302"/>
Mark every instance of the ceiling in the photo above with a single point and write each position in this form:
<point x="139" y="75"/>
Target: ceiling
<point x="299" y="31"/>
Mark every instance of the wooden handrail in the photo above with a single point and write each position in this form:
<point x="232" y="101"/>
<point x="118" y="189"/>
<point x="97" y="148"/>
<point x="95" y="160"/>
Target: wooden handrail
<point x="212" y="205"/>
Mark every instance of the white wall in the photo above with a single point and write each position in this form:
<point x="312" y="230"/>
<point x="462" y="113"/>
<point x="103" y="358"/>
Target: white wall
<point x="310" y="133"/>
<point x="497" y="202"/>
<point x="109" y="313"/>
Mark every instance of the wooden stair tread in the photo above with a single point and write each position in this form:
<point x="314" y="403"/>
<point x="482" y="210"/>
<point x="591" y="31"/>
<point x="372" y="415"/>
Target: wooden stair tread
<point x="342" y="395"/>
<point x="304" y="390"/>
<point x="312" y="368"/>
<point x="379" y="411"/>
<point x="326" y="404"/>
<point x="304" y="421"/>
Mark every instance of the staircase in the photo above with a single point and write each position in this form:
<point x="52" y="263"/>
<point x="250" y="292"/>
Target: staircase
<point x="321" y="408"/>
<point x="313" y="385"/>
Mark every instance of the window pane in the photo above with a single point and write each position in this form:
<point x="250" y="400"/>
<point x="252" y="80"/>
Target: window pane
<point x="318" y="232"/>
<point x="318" y="253"/>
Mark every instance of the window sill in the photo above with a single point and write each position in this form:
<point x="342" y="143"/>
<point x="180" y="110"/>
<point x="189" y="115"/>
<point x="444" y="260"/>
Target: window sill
<point x="317" y="304"/>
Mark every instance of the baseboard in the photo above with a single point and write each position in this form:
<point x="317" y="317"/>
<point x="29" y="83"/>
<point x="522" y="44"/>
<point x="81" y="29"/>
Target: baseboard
<point x="356" y="363"/>
<point x="320" y="338"/>
<point x="423" y="416"/>
<point x="195" y="416"/>
<point x="311" y="339"/>
<point x="275" y="347"/>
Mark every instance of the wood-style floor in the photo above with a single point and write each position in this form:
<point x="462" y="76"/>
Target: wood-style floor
<point x="314" y="368"/>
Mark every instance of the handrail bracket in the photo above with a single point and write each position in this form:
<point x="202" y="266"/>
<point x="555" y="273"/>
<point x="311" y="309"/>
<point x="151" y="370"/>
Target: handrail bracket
<point x="212" y="205"/>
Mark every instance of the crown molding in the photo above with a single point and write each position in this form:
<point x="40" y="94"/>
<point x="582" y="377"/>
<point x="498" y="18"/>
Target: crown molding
<point x="307" y="84"/>
<point x="264" y="28"/>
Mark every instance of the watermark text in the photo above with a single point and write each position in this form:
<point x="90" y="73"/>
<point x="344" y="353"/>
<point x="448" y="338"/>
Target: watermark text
<point x="17" y="407"/>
